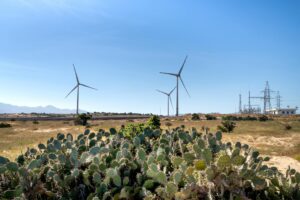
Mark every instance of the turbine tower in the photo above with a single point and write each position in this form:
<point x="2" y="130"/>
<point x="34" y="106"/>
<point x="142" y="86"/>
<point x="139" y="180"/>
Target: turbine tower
<point x="77" y="87"/>
<point x="169" y="98"/>
<point x="178" y="77"/>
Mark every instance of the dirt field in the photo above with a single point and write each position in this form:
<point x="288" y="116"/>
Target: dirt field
<point x="270" y="138"/>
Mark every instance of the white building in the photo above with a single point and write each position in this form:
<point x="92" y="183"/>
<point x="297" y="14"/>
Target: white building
<point x="282" y="111"/>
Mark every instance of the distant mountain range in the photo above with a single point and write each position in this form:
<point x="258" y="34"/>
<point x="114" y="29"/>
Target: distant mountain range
<point x="7" y="108"/>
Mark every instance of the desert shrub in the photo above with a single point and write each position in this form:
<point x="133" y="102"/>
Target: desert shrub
<point x="82" y="119"/>
<point x="250" y="118"/>
<point x="12" y="119"/>
<point x="210" y="117"/>
<point x="4" y="125"/>
<point x="230" y="118"/>
<point x="227" y="126"/>
<point x="263" y="118"/>
<point x="35" y="122"/>
<point x="177" y="165"/>
<point x="195" y="117"/>
<point x="154" y="122"/>
<point x="168" y="124"/>
<point x="288" y="127"/>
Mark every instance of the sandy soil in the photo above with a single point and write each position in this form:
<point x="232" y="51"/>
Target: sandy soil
<point x="283" y="163"/>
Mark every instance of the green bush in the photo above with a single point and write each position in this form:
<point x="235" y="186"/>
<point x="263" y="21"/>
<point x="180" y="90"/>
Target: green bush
<point x="131" y="130"/>
<point x="227" y="126"/>
<point x="195" y="117"/>
<point x="4" y="125"/>
<point x="150" y="165"/>
<point x="154" y="122"/>
<point x="210" y="117"/>
<point x="82" y="119"/>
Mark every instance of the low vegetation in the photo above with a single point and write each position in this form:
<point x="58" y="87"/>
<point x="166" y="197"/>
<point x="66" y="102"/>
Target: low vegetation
<point x="227" y="126"/>
<point x="195" y="117"/>
<point x="5" y="125"/>
<point x="82" y="119"/>
<point x="147" y="165"/>
<point x="210" y="117"/>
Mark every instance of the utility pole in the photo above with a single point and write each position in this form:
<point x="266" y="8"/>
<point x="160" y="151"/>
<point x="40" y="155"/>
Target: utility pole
<point x="249" y="103"/>
<point x="240" y="104"/>
<point x="278" y="100"/>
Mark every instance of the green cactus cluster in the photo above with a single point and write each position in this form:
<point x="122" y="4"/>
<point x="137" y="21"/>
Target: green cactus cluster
<point x="153" y="164"/>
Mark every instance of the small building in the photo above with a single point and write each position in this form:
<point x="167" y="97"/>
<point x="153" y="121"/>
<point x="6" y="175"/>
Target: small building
<point x="282" y="111"/>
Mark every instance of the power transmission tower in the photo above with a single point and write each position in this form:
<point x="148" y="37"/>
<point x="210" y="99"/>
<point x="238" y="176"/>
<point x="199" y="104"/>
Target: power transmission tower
<point x="267" y="97"/>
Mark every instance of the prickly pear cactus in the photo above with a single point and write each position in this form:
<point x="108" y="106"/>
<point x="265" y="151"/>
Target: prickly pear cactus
<point x="150" y="164"/>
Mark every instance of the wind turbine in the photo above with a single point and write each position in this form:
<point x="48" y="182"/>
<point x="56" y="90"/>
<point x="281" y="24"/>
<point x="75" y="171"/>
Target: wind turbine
<point x="77" y="87"/>
<point x="169" y="98"/>
<point x="178" y="77"/>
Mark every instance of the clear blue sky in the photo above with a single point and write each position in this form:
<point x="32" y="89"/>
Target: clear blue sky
<point x="121" y="46"/>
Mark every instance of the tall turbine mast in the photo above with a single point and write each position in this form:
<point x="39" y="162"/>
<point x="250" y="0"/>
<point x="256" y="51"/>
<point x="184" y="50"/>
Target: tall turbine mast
<point x="77" y="87"/>
<point x="178" y="78"/>
<point x="169" y="99"/>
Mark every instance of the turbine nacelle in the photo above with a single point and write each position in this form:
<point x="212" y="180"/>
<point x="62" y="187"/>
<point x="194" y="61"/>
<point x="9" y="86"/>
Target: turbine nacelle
<point x="77" y="87"/>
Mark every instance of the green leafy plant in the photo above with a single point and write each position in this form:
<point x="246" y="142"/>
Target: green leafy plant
<point x="154" y="122"/>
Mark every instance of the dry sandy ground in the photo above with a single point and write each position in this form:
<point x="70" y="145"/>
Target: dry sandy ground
<point x="270" y="145"/>
<point x="283" y="163"/>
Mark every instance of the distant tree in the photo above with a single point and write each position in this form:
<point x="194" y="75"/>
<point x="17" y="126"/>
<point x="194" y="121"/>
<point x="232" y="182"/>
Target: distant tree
<point x="195" y="117"/>
<point x="82" y="119"/>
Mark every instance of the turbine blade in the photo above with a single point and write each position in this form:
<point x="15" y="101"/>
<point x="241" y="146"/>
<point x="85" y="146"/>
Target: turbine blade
<point x="171" y="102"/>
<point x="72" y="91"/>
<point x="76" y="74"/>
<point x="182" y="65"/>
<point x="87" y="86"/>
<point x="172" y="91"/>
<point x="162" y="92"/>
<point x="172" y="74"/>
<point x="184" y="86"/>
